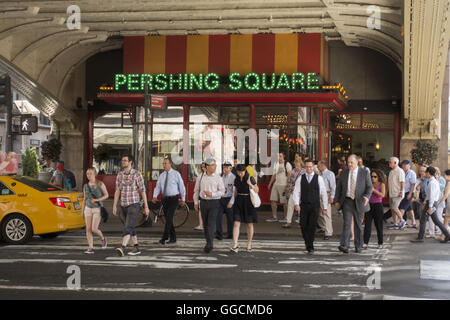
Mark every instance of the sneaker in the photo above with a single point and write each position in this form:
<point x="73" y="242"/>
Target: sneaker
<point x="135" y="251"/>
<point x="393" y="227"/>
<point x="282" y="221"/>
<point x="104" y="243"/>
<point x="402" y="225"/>
<point x="120" y="251"/>
<point x="297" y="220"/>
<point x="89" y="251"/>
<point x="272" y="220"/>
<point x="428" y="236"/>
<point x="198" y="228"/>
<point x="440" y="238"/>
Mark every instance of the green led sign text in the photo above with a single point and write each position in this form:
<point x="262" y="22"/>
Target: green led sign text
<point x="235" y="82"/>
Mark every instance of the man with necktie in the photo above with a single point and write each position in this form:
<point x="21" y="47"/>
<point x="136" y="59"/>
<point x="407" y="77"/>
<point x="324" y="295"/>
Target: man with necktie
<point x="170" y="184"/>
<point x="308" y="191"/>
<point x="353" y="192"/>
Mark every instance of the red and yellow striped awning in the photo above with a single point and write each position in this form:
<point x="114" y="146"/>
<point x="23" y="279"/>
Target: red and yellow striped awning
<point x="225" y="54"/>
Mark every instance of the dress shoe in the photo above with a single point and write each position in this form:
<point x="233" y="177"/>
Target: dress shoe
<point x="162" y="242"/>
<point x="357" y="250"/>
<point x="311" y="251"/>
<point x="326" y="238"/>
<point x="172" y="242"/>
<point x="416" y="240"/>
<point x="445" y="240"/>
<point x="219" y="237"/>
<point x="343" y="249"/>
<point x="207" y="249"/>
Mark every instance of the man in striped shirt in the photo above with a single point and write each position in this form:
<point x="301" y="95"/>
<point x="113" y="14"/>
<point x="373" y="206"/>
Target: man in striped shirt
<point x="130" y="188"/>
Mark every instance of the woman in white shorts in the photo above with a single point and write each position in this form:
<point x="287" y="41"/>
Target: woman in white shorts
<point x="94" y="192"/>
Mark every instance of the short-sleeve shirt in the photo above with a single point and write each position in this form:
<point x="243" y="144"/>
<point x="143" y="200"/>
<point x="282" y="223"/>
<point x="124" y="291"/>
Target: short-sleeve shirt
<point x="94" y="190"/>
<point x="396" y="176"/>
<point x="281" y="173"/>
<point x="130" y="186"/>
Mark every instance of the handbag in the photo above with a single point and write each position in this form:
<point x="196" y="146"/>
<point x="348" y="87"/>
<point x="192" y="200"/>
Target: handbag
<point x="254" y="197"/>
<point x="103" y="212"/>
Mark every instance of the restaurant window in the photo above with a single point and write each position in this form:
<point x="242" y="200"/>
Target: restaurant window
<point x="113" y="138"/>
<point x="204" y="114"/>
<point x="240" y="114"/>
<point x="345" y="121"/>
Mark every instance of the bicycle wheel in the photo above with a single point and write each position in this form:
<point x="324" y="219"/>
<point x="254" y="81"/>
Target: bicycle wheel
<point x="180" y="216"/>
<point x="140" y="219"/>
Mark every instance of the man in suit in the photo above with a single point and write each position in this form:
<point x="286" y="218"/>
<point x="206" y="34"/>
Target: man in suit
<point x="353" y="192"/>
<point x="308" y="192"/>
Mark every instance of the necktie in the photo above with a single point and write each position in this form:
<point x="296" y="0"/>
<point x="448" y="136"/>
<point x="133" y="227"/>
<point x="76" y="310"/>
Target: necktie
<point x="165" y="184"/>
<point x="352" y="185"/>
<point x="309" y="179"/>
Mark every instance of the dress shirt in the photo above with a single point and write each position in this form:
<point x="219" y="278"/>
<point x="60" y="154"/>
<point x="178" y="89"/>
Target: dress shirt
<point x="175" y="185"/>
<point x="410" y="180"/>
<point x="323" y="190"/>
<point x="355" y="176"/>
<point x="212" y="183"/>
<point x="330" y="182"/>
<point x="432" y="192"/>
<point x="228" y="180"/>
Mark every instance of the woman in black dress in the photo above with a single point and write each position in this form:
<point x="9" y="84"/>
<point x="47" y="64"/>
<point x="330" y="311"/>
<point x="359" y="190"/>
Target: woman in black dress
<point x="243" y="209"/>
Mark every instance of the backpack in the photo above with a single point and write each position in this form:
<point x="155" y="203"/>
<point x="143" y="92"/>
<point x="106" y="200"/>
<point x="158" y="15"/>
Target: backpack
<point x="71" y="177"/>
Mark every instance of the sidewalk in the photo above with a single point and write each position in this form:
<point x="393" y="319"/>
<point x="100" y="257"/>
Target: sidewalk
<point x="263" y="229"/>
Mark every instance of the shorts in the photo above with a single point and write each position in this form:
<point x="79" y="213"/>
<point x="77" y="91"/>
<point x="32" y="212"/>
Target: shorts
<point x="278" y="192"/>
<point x="91" y="211"/>
<point x="394" y="203"/>
<point x="405" y="204"/>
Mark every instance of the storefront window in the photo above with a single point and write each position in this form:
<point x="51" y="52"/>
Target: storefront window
<point x="378" y="121"/>
<point x="109" y="147"/>
<point x="300" y="114"/>
<point x="167" y="141"/>
<point x="204" y="114"/>
<point x="345" y="121"/>
<point x="270" y="115"/>
<point x="172" y="114"/>
<point x="109" y="120"/>
<point x="239" y="114"/>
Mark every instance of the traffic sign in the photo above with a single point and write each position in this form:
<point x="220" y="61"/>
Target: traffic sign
<point x="158" y="102"/>
<point x="28" y="124"/>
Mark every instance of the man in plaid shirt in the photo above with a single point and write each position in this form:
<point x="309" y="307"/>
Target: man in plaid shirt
<point x="130" y="188"/>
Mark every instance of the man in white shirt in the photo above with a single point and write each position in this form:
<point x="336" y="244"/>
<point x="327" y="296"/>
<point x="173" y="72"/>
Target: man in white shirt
<point x="325" y="221"/>
<point x="432" y="198"/>
<point x="308" y="192"/>
<point x="210" y="189"/>
<point x="282" y="170"/>
<point x="396" y="184"/>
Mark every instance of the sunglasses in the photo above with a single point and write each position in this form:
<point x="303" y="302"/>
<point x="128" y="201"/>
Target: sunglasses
<point x="374" y="176"/>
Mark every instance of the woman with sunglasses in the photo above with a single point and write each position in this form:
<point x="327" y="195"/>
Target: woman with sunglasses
<point x="376" y="208"/>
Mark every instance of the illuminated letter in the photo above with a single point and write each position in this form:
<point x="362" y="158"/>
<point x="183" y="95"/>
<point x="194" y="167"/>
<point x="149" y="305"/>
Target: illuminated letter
<point x="120" y="79"/>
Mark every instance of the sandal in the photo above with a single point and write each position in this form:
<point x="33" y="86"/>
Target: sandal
<point x="380" y="246"/>
<point x="235" y="250"/>
<point x="365" y="246"/>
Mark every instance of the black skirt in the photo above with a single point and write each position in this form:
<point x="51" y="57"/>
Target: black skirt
<point x="243" y="210"/>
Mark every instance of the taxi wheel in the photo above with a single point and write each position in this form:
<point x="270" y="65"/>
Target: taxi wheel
<point x="16" y="229"/>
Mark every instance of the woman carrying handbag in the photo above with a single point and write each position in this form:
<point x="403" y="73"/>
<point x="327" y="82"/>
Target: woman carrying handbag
<point x="244" y="210"/>
<point x="94" y="192"/>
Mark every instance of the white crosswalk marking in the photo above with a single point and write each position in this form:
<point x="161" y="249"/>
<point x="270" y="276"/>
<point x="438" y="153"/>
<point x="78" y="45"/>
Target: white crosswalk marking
<point x="286" y="260"/>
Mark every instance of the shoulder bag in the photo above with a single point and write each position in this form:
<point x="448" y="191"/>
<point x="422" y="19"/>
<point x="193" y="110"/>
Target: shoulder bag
<point x="254" y="197"/>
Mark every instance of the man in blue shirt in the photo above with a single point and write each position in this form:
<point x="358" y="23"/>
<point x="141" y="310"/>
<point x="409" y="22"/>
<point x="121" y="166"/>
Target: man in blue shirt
<point x="410" y="183"/>
<point x="170" y="184"/>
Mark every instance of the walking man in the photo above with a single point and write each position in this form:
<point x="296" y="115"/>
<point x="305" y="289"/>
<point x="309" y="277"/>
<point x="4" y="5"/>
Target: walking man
<point x="429" y="208"/>
<point x="170" y="184"/>
<point x="410" y="183"/>
<point x="226" y="203"/>
<point x="210" y="190"/>
<point x="325" y="221"/>
<point x="353" y="192"/>
<point x="396" y="184"/>
<point x="277" y="184"/>
<point x="129" y="186"/>
<point x="308" y="192"/>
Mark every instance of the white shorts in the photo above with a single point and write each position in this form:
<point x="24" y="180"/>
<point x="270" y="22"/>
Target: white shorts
<point x="278" y="192"/>
<point x="395" y="203"/>
<point x="91" y="211"/>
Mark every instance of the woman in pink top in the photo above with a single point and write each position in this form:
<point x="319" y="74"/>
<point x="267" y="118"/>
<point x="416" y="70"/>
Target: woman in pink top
<point x="376" y="208"/>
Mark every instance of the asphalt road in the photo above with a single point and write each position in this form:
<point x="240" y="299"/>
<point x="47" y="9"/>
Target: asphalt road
<point x="275" y="269"/>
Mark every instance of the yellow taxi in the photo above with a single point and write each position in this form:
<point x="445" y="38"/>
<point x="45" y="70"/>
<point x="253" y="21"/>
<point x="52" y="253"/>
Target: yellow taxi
<point x="32" y="207"/>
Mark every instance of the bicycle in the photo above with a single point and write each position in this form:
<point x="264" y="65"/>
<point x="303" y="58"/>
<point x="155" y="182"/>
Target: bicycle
<point x="156" y="211"/>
